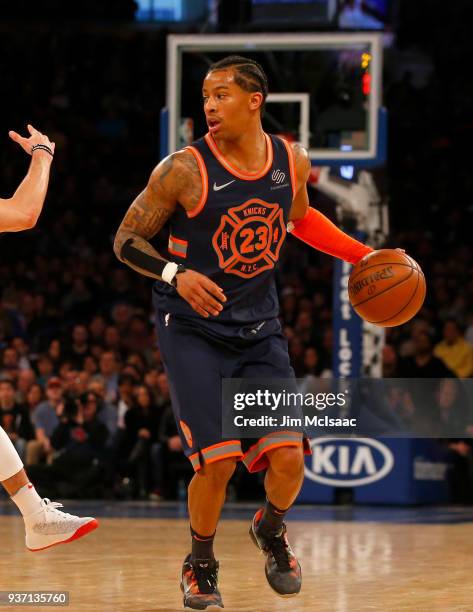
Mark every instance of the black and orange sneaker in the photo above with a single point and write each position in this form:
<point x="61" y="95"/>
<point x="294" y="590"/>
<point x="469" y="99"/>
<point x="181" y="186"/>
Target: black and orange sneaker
<point x="282" y="568"/>
<point x="199" y="584"/>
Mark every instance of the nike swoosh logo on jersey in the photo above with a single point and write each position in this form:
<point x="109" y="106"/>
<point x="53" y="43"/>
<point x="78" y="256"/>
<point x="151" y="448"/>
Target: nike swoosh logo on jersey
<point x="218" y="187"/>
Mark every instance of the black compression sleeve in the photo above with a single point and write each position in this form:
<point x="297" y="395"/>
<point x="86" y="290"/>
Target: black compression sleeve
<point x="142" y="260"/>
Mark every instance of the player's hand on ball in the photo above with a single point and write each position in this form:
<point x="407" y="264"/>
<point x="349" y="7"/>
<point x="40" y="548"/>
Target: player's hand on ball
<point x="35" y="138"/>
<point x="200" y="292"/>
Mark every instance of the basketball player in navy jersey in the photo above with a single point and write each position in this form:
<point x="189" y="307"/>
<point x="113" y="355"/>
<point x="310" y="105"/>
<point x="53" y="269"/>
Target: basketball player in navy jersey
<point x="231" y="197"/>
<point x="45" y="525"/>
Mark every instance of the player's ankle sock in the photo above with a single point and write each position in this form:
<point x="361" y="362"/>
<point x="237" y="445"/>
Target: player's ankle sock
<point x="202" y="546"/>
<point x="271" y="520"/>
<point x="27" y="499"/>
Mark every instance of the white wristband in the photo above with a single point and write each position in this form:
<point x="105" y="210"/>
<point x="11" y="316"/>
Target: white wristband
<point x="169" y="272"/>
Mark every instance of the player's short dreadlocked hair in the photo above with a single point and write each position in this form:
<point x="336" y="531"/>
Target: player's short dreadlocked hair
<point x="249" y="75"/>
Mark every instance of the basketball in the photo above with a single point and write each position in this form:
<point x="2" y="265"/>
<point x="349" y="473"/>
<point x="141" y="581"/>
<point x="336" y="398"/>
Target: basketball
<point x="387" y="288"/>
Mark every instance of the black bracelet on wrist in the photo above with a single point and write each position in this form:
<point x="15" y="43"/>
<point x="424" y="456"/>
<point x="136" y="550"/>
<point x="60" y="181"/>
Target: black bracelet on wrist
<point x="43" y="147"/>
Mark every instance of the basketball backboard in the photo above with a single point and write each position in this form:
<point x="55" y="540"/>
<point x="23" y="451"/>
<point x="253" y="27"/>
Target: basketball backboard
<point x="325" y="90"/>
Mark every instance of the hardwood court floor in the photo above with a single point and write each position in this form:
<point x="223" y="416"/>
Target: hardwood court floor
<point x="133" y="564"/>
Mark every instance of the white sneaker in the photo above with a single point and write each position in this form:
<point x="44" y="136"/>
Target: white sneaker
<point x="50" y="526"/>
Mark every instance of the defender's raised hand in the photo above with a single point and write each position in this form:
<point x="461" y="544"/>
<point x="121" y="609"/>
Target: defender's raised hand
<point x="36" y="138"/>
<point x="22" y="210"/>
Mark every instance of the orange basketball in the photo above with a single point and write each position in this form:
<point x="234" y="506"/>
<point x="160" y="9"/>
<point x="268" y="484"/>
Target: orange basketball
<point x="386" y="288"/>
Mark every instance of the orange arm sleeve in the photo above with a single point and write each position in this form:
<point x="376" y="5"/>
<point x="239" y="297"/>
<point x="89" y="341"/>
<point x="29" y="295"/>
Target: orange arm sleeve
<point x="319" y="232"/>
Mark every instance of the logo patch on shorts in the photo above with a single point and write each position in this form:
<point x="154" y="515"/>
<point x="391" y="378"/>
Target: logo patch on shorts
<point x="187" y="433"/>
<point x="249" y="238"/>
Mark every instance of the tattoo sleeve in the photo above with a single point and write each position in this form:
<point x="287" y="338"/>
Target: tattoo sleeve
<point x="145" y="218"/>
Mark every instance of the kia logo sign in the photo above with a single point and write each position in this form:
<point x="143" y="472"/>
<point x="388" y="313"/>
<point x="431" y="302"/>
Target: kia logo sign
<point x="348" y="462"/>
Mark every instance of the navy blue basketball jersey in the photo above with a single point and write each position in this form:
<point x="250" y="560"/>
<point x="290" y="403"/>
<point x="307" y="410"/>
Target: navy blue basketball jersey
<point x="234" y="236"/>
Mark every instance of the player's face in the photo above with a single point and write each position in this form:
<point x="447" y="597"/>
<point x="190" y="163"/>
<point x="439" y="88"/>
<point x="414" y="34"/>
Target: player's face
<point x="228" y="108"/>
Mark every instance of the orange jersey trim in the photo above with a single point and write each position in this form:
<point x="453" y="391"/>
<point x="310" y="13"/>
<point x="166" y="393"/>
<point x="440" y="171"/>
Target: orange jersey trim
<point x="205" y="182"/>
<point x="219" y="444"/>
<point x="245" y="176"/>
<point x="219" y="457"/>
<point x="178" y="240"/>
<point x="176" y="253"/>
<point x="292" y="166"/>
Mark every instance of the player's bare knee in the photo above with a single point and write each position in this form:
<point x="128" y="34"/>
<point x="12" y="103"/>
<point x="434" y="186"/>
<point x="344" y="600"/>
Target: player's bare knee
<point x="219" y="471"/>
<point x="287" y="460"/>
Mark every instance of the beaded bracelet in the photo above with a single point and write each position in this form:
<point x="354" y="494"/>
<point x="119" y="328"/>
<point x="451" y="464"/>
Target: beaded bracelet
<point x="43" y="147"/>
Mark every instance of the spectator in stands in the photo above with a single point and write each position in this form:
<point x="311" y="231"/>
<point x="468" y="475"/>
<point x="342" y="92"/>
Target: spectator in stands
<point x="107" y="411"/>
<point x="171" y="461"/>
<point x="304" y="327"/>
<point x="141" y="432"/>
<point x="78" y="440"/>
<point x="420" y="398"/>
<point x="34" y="397"/>
<point x="423" y="364"/>
<point x="151" y="380"/>
<point x="90" y="365"/>
<point x="75" y="383"/>
<point x="312" y="364"/>
<point x="9" y="366"/>
<point x="45" y="368"/>
<point x="79" y="430"/>
<point x="112" y="340"/>
<point x="164" y="397"/>
<point x="26" y="378"/>
<point x="122" y="313"/>
<point x="390" y="360"/>
<point x="137" y="338"/>
<point x="452" y="405"/>
<point x="45" y="420"/>
<point x="137" y="360"/>
<point x="79" y="348"/>
<point x="14" y="418"/>
<point x="22" y="349"/>
<point x="97" y="328"/>
<point x="56" y="353"/>
<point x="455" y="351"/>
<point x="126" y="384"/>
<point x="289" y="307"/>
<point x="108" y="373"/>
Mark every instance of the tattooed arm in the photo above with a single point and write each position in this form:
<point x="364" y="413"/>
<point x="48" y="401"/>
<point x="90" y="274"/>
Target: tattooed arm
<point x="148" y="214"/>
<point x="175" y="181"/>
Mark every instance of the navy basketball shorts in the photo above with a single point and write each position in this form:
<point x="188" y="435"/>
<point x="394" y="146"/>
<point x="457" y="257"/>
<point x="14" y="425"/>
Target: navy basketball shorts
<point x="195" y="364"/>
